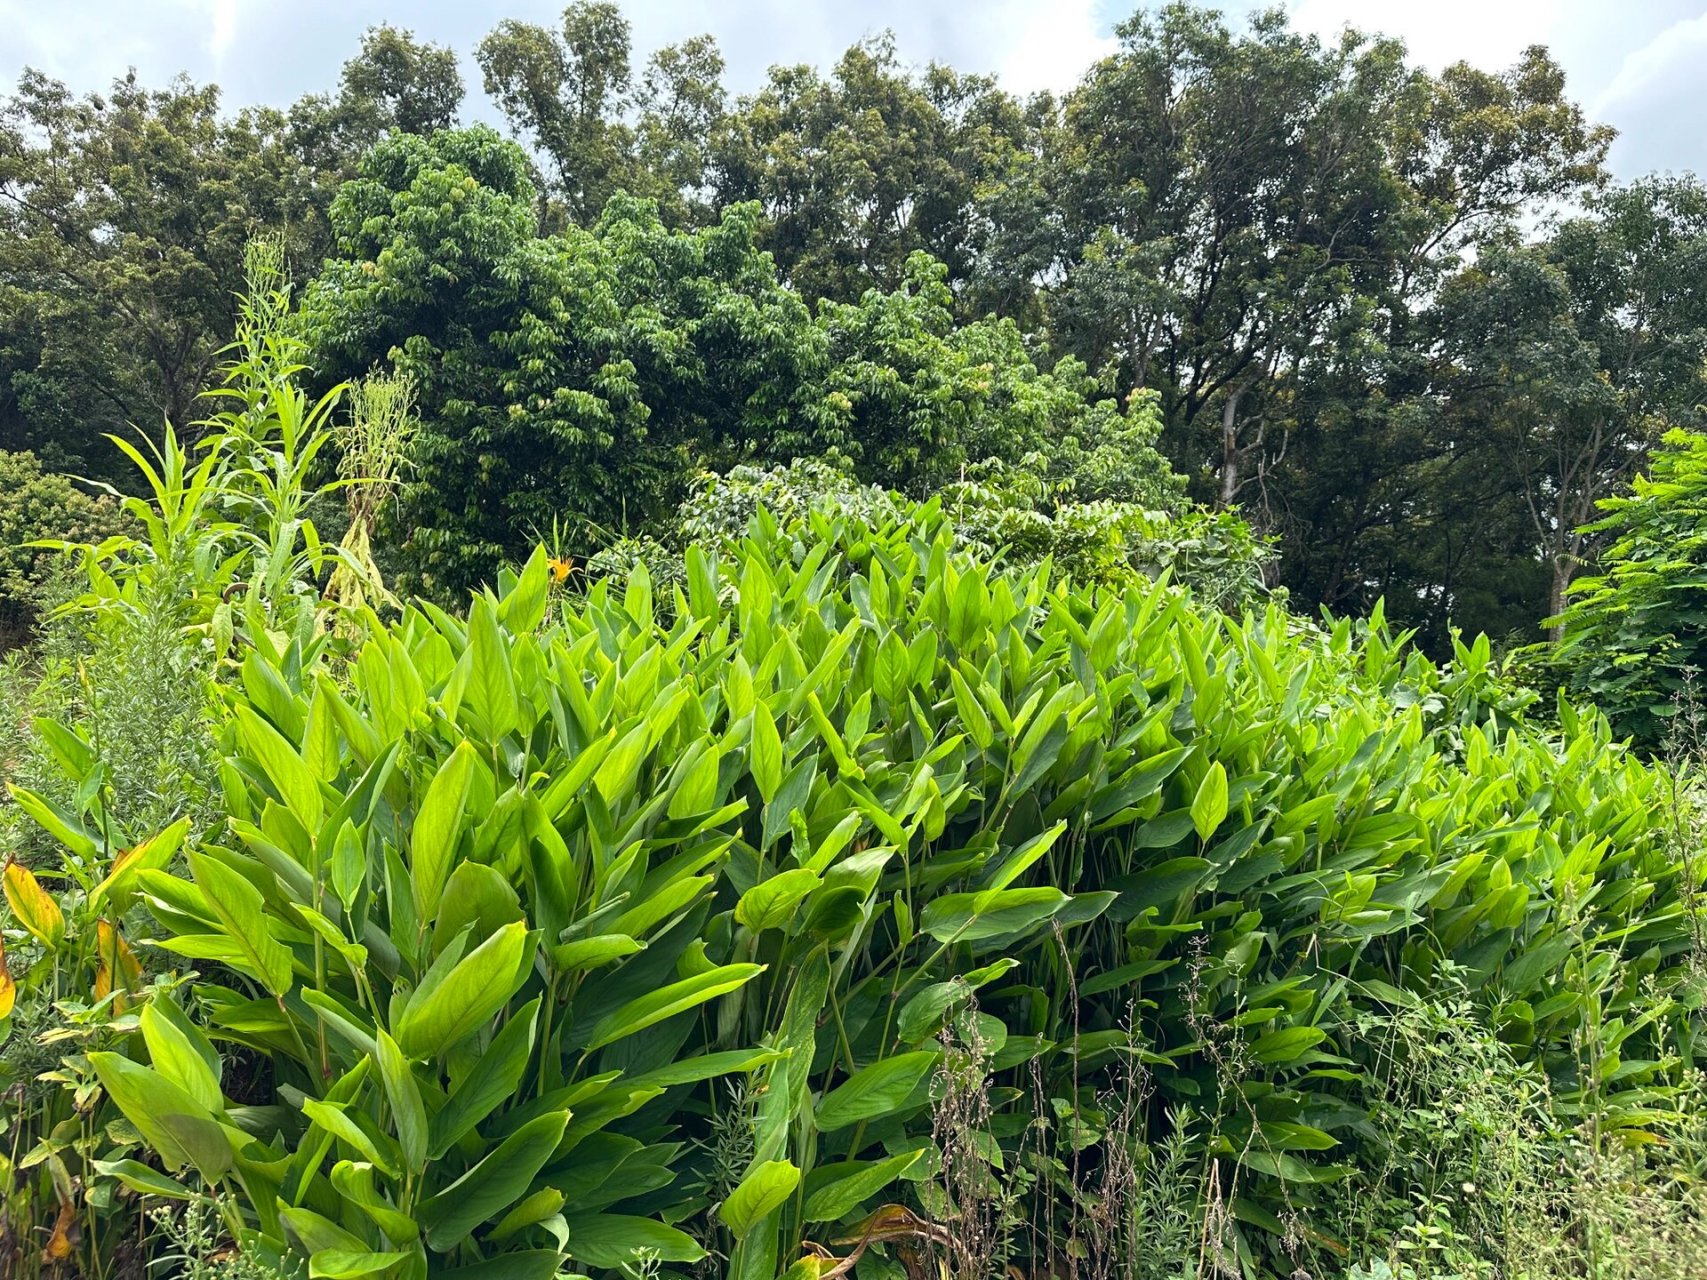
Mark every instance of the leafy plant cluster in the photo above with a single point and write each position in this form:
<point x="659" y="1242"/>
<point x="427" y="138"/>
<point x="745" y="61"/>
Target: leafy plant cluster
<point x="1632" y="636"/>
<point x="862" y="899"/>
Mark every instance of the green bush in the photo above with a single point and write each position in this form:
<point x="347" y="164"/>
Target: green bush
<point x="40" y="505"/>
<point x="869" y="879"/>
<point x="1633" y="638"/>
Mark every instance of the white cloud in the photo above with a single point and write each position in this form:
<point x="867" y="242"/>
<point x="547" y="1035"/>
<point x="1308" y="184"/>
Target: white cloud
<point x="1488" y="33"/>
<point x="222" y="29"/>
<point x="1049" y="46"/>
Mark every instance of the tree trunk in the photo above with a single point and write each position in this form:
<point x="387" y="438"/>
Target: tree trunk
<point x="1230" y="447"/>
<point x="1563" y="571"/>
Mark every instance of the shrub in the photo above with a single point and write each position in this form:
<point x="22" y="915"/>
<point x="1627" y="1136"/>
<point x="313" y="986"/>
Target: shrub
<point x="1633" y="636"/>
<point x="39" y="505"/>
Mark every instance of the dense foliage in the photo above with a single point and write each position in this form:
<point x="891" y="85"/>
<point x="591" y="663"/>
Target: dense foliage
<point x="1632" y="637"/>
<point x="858" y="899"/>
<point x="1399" y="318"/>
<point x="677" y="720"/>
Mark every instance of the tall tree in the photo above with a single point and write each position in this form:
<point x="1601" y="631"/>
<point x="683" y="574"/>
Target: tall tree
<point x="123" y="218"/>
<point x="859" y="169"/>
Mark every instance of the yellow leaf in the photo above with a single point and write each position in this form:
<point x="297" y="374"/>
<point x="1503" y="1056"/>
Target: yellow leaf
<point x="59" y="1246"/>
<point x="8" y="988"/>
<point x="33" y="905"/>
<point x="116" y="958"/>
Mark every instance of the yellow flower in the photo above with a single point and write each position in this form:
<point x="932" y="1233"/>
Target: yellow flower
<point x="560" y="566"/>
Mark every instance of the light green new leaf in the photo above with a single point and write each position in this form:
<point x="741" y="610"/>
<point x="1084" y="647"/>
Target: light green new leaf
<point x="181" y="1053"/>
<point x="438" y="825"/>
<point x="764" y="753"/>
<point x="771" y="903"/>
<point x="1209" y="807"/>
<point x="766" y="1186"/>
<point x="453" y="1002"/>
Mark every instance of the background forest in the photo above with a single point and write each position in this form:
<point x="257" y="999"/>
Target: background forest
<point x="1403" y="322"/>
<point x="866" y="679"/>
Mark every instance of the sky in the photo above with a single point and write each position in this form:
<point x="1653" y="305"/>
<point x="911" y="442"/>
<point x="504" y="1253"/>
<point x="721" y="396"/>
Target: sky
<point x="1636" y="65"/>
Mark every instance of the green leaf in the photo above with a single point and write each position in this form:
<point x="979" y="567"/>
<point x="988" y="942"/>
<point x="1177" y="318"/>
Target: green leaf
<point x="143" y="1180"/>
<point x="345" y="1264"/>
<point x="766" y="1186"/>
<point x="181" y="1053"/>
<point x="1287" y="1044"/>
<point x="408" y="1112"/>
<point x="666" y="1002"/>
<point x="1210" y="805"/>
<point x="973" y="917"/>
<point x="764" y="753"/>
<point x="154" y="1104"/>
<point x="771" y="903"/>
<point x="541" y="1205"/>
<point x="451" y="1004"/>
<point x="875" y="1090"/>
<point x="835" y="1190"/>
<point x="494" y="1078"/>
<point x="239" y="906"/>
<point x="331" y="1117"/>
<point x="57" y="823"/>
<point x="613" y="1240"/>
<point x="438" y="824"/>
<point x="493" y="1185"/>
<point x="282" y="765"/>
<point x="491" y="691"/>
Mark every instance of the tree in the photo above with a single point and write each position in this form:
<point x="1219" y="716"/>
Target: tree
<point x="858" y="170"/>
<point x="1634" y="636"/>
<point x="575" y="379"/>
<point x="393" y="82"/>
<point x="123" y="218"/>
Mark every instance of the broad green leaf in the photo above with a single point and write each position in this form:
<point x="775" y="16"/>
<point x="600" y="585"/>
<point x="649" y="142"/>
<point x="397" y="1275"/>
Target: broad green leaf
<point x="874" y="1091"/>
<point x="143" y="1180"/>
<point x="282" y="765"/>
<point x="344" y="1264"/>
<point x="771" y="903"/>
<point x="1209" y="807"/>
<point x="1287" y="1044"/>
<point x="452" y="1003"/>
<point x="179" y="1051"/>
<point x="494" y="1078"/>
<point x="973" y="917"/>
<point x="489" y="1189"/>
<point x="438" y="825"/>
<point x="239" y="906"/>
<point x="667" y="1001"/>
<point x="835" y="1190"/>
<point x="765" y="1186"/>
<point x="764" y="753"/>
<point x="616" y="1240"/>
<point x="408" y="1112"/>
